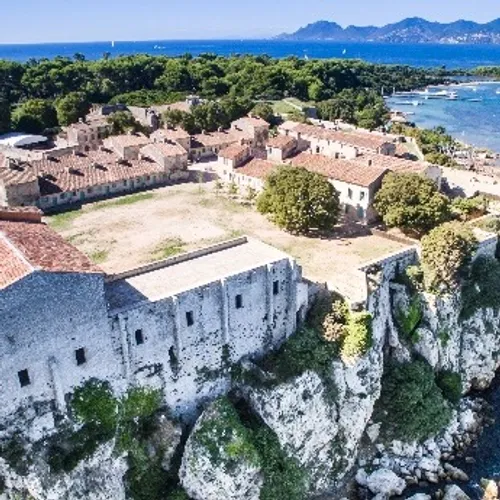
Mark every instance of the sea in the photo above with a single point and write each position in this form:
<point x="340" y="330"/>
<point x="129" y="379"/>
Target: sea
<point x="476" y="123"/>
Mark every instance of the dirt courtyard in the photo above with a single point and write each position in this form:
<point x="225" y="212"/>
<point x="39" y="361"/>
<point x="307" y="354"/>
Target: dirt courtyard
<point x="123" y="233"/>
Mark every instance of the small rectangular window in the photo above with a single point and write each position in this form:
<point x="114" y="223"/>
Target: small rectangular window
<point x="139" y="337"/>
<point x="361" y="196"/>
<point x="349" y="193"/>
<point x="189" y="318"/>
<point x="80" y="356"/>
<point x="276" y="288"/>
<point x="24" y="378"/>
<point x="239" y="301"/>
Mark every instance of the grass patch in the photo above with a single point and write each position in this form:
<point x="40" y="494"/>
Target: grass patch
<point x="123" y="200"/>
<point x="99" y="256"/>
<point x="63" y="221"/>
<point x="168" y="248"/>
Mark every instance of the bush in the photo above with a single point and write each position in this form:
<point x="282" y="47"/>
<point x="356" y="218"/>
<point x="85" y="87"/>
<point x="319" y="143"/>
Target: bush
<point x="415" y="277"/>
<point x="299" y="201"/>
<point x="412" y="203"/>
<point x="446" y="255"/>
<point x="450" y="384"/>
<point x="410" y="320"/>
<point x="358" y="338"/>
<point x="411" y="405"/>
<point x="481" y="289"/>
<point x="470" y="208"/>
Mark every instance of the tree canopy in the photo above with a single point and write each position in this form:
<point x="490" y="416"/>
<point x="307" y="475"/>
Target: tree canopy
<point x="123" y="122"/>
<point x="4" y="115"/>
<point x="412" y="203"/>
<point x="34" y="116"/>
<point x="299" y="201"/>
<point x="446" y="256"/>
<point x="71" y="107"/>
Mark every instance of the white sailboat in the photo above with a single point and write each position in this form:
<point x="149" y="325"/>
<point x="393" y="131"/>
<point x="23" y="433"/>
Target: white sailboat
<point x="113" y="44"/>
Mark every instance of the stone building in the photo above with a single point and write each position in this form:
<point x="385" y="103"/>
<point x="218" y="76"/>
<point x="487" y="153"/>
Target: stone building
<point x="280" y="148"/>
<point x="170" y="156"/>
<point x="233" y="156"/>
<point x="88" y="135"/>
<point x="18" y="184"/>
<point x="127" y="146"/>
<point x="177" y="135"/>
<point x="176" y="325"/>
<point x="254" y="128"/>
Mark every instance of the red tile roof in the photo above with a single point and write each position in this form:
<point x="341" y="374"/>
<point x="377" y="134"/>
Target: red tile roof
<point x="347" y="171"/>
<point x="127" y="140"/>
<point x="212" y="139"/>
<point x="254" y="121"/>
<point x="393" y="163"/>
<point x="281" y="142"/>
<point x="164" y="148"/>
<point x="256" y="168"/>
<point x="27" y="247"/>
<point x="17" y="174"/>
<point x="76" y="172"/>
<point x="234" y="151"/>
<point x="172" y="134"/>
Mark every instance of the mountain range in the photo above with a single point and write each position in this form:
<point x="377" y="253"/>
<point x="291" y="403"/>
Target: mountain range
<point x="410" y="30"/>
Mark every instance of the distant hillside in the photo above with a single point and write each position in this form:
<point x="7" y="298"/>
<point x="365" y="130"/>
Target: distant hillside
<point x="411" y="30"/>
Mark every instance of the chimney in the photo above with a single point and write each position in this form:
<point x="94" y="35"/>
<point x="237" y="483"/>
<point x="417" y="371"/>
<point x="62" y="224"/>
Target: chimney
<point x="21" y="214"/>
<point x="370" y="162"/>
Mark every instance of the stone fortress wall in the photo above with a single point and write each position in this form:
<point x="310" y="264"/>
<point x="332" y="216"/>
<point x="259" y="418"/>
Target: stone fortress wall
<point x="154" y="328"/>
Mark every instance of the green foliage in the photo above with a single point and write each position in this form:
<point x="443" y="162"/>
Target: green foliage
<point x="481" y="289"/>
<point x="146" y="98"/>
<point x="178" y="494"/>
<point x="469" y="208"/>
<point x="265" y="111"/>
<point x="34" y="116"/>
<point x="444" y="336"/>
<point x="358" y="338"/>
<point x="123" y="122"/>
<point x="436" y="145"/>
<point x="94" y="404"/>
<point x="224" y="437"/>
<point x="284" y="479"/>
<point x="5" y="115"/>
<point x="446" y="255"/>
<point x="299" y="201"/>
<point x="412" y="203"/>
<point x="411" y="405"/>
<point x="450" y="384"/>
<point x="71" y="107"/>
<point x="490" y="224"/>
<point x="358" y="106"/>
<point x="408" y="321"/>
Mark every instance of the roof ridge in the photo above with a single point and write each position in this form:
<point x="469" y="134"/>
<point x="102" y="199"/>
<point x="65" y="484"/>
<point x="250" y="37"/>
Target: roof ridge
<point x="17" y="251"/>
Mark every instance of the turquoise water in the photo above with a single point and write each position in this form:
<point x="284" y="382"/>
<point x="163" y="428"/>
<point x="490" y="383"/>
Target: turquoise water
<point x="476" y="123"/>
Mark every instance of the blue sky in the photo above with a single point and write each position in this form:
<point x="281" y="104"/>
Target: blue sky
<point x="89" y="20"/>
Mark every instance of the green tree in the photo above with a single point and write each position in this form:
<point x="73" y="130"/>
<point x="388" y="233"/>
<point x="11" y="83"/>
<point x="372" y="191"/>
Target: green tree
<point x="34" y="116"/>
<point x="123" y="122"/>
<point x="412" y="203"/>
<point x="446" y="256"/>
<point x="299" y="201"/>
<point x="4" y="115"/>
<point x="411" y="405"/>
<point x="265" y="111"/>
<point x="71" y="107"/>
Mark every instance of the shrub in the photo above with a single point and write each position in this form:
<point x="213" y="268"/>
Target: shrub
<point x="446" y="255"/>
<point x="358" y="338"/>
<point x="450" y="384"/>
<point x="414" y="276"/>
<point x="411" y="405"/>
<point x="412" y="203"/>
<point x="481" y="289"/>
<point x="410" y="320"/>
<point x="469" y="208"/>
<point x="299" y="201"/>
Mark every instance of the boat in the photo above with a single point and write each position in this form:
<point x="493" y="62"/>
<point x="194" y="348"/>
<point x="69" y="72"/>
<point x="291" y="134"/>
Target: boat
<point x="498" y="91"/>
<point x="479" y="99"/>
<point x="452" y="96"/>
<point x="113" y="44"/>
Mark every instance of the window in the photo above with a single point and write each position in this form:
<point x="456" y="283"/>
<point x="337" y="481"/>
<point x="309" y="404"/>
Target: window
<point x="189" y="318"/>
<point x="139" y="337"/>
<point x="124" y="183"/>
<point x="80" y="356"/>
<point x="276" y="288"/>
<point x="361" y="196"/>
<point x="24" y="378"/>
<point x="239" y="301"/>
<point x="349" y="193"/>
<point x="89" y="190"/>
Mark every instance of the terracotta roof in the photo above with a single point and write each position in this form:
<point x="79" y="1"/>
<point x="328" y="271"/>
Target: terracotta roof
<point x="256" y="168"/>
<point x="365" y="140"/>
<point x="211" y="139"/>
<point x="234" y="151"/>
<point x="127" y="140"/>
<point x="164" y="148"/>
<point x="281" y="142"/>
<point x="27" y="247"/>
<point x="254" y="121"/>
<point x="76" y="172"/>
<point x="289" y="125"/>
<point x="171" y="134"/>
<point x="3" y="158"/>
<point x="347" y="171"/>
<point x="17" y="174"/>
<point x="393" y="163"/>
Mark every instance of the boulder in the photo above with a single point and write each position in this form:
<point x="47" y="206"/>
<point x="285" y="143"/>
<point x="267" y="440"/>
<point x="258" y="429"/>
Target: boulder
<point x="453" y="492"/>
<point x="420" y="496"/>
<point x="385" y="482"/>
<point x="164" y="440"/>
<point x="211" y="466"/>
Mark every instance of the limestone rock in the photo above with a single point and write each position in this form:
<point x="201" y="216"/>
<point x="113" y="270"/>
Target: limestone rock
<point x="420" y="496"/>
<point x="385" y="482"/>
<point x="209" y="471"/>
<point x="165" y="439"/>
<point x="453" y="492"/>
<point x="490" y="489"/>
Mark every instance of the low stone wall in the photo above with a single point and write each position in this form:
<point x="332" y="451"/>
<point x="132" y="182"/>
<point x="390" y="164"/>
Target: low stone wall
<point x="393" y="237"/>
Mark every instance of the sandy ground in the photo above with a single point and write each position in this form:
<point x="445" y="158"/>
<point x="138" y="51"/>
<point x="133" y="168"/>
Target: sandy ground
<point x="190" y="216"/>
<point x="471" y="182"/>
